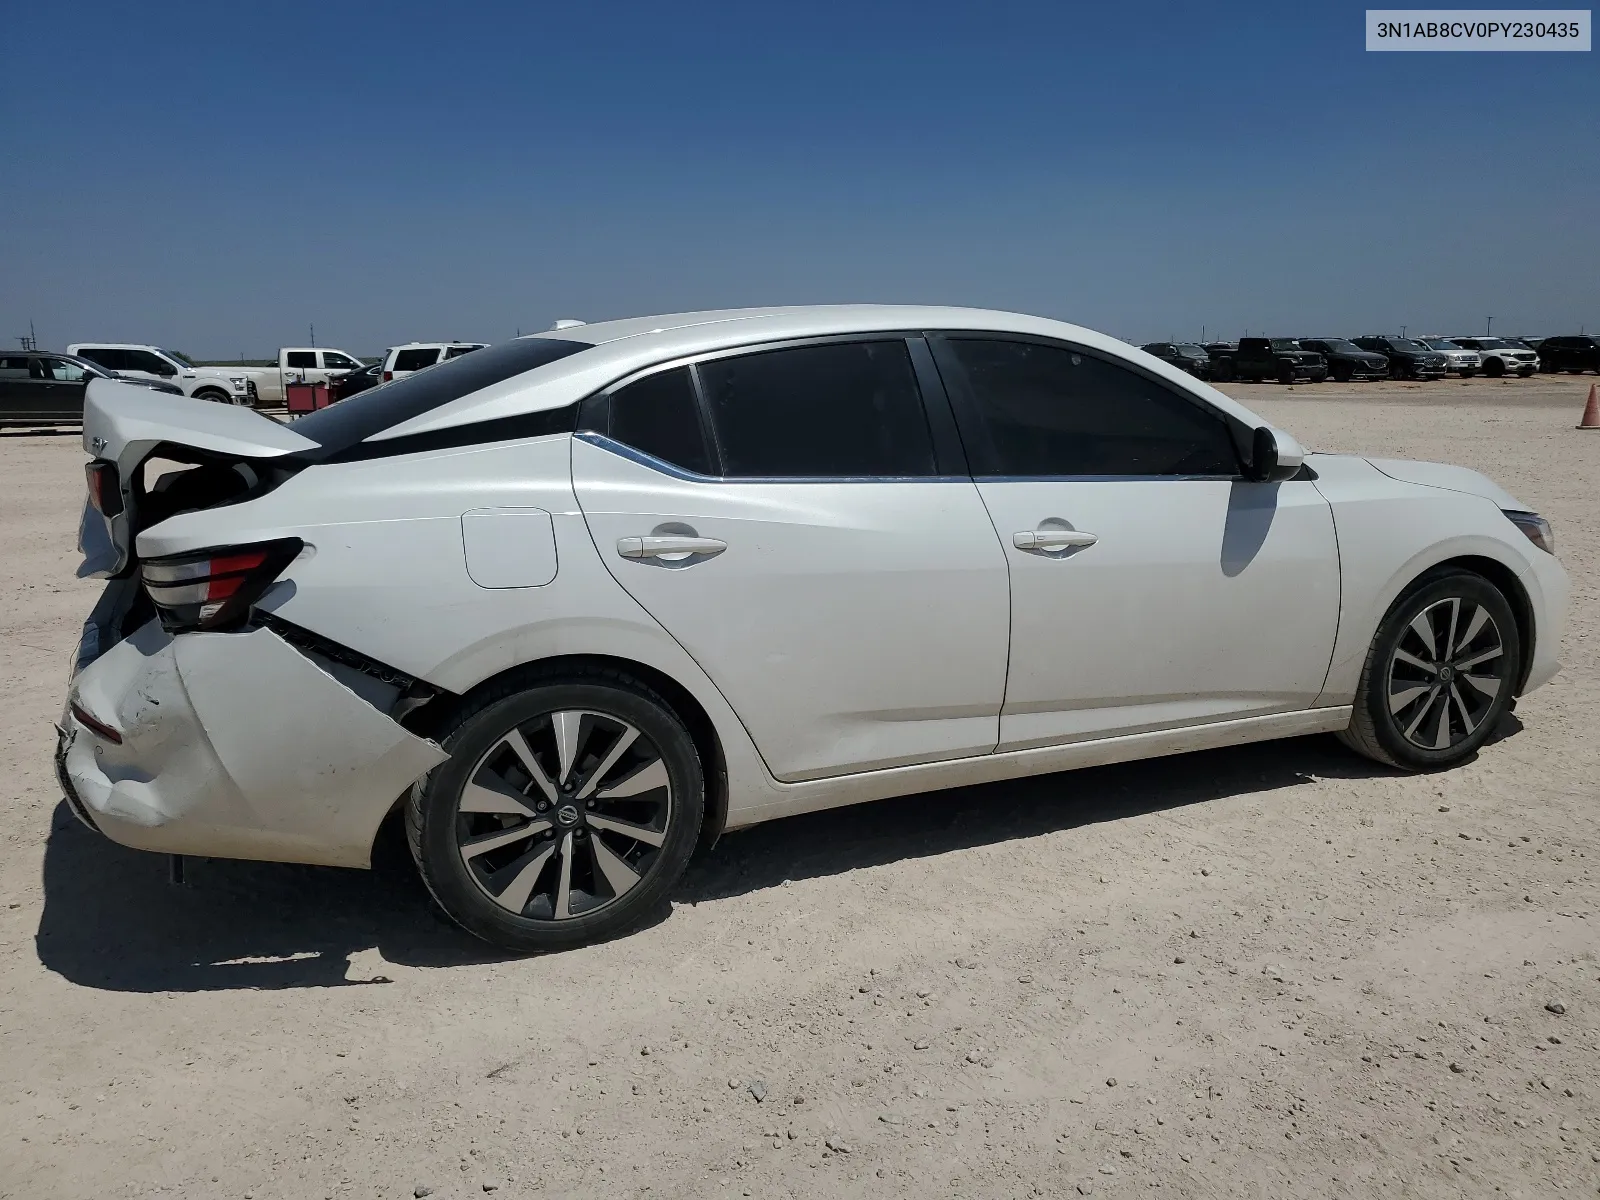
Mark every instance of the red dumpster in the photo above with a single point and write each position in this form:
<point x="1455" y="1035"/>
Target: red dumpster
<point x="306" y="397"/>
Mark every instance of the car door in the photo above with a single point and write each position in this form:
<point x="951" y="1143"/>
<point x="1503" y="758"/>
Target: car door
<point x="1151" y="585"/>
<point x="19" y="388"/>
<point x="300" y="366"/>
<point x="63" y="388"/>
<point x="786" y="516"/>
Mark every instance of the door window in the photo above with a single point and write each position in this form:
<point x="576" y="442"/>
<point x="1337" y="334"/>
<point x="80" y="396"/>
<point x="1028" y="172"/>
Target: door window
<point x="143" y="360"/>
<point x="1044" y="410"/>
<point x="14" y="367"/>
<point x="659" y="416"/>
<point x="111" y="360"/>
<point x="458" y="351"/>
<point x="844" y="409"/>
<point x="301" y="360"/>
<point x="62" y="371"/>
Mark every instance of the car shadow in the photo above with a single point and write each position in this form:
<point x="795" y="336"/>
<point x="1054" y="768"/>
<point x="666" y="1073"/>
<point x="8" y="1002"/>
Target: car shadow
<point x="32" y="431"/>
<point x="931" y="823"/>
<point x="113" y="920"/>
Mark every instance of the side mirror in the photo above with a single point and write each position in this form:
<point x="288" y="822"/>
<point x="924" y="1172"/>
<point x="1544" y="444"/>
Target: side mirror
<point x="1274" y="456"/>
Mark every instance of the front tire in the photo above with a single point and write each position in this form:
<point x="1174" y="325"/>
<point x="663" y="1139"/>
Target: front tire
<point x="1439" y="676"/>
<point x="1494" y="368"/>
<point x="215" y="396"/>
<point x="567" y="811"/>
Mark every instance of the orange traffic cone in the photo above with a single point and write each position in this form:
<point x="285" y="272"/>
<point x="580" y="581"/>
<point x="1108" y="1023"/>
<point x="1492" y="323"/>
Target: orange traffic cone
<point x="1591" y="411"/>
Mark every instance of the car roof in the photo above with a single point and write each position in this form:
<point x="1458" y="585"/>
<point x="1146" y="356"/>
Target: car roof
<point x="622" y="348"/>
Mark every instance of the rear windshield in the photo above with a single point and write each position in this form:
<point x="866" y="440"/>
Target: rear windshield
<point x="342" y="425"/>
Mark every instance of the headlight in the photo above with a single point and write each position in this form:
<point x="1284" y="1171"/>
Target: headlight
<point x="1535" y="527"/>
<point x="238" y="382"/>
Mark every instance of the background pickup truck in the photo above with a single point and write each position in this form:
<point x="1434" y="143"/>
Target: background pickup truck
<point x="1255" y="359"/>
<point x="301" y="364"/>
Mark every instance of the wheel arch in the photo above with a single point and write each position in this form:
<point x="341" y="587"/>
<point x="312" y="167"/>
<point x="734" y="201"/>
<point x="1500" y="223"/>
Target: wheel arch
<point x="1509" y="585"/>
<point x="702" y="729"/>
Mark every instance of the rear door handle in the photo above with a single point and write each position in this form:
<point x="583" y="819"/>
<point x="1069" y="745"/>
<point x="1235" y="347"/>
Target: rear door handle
<point x="1052" y="539"/>
<point x="671" y="546"/>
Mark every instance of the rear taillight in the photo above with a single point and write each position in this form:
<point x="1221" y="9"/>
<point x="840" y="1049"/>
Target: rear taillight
<point x="388" y="376"/>
<point x="105" y="492"/>
<point x="214" y="589"/>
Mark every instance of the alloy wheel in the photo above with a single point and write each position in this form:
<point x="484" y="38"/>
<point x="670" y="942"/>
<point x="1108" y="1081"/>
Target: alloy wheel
<point x="1446" y="672"/>
<point x="564" y="815"/>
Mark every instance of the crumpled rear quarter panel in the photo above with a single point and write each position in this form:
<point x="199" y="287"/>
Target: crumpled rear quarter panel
<point x="236" y="745"/>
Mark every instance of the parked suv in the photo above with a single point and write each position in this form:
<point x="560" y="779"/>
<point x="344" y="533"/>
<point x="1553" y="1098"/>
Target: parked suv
<point x="226" y="385"/>
<point x="400" y="361"/>
<point x="1501" y="355"/>
<point x="1348" y="361"/>
<point x="1464" y="362"/>
<point x="1186" y="356"/>
<point x="1256" y="358"/>
<point x="1408" y="358"/>
<point x="38" y="388"/>
<point x="1577" y="353"/>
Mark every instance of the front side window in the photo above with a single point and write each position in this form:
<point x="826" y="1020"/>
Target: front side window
<point x="837" y="410"/>
<point x="415" y="360"/>
<point x="62" y="371"/>
<point x="335" y="361"/>
<point x="659" y="415"/>
<point x="1028" y="409"/>
<point x="150" y="364"/>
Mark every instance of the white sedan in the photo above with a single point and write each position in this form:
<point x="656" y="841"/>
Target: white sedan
<point x="574" y="605"/>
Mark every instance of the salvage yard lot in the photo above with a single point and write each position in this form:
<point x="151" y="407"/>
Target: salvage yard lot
<point x="1271" y="971"/>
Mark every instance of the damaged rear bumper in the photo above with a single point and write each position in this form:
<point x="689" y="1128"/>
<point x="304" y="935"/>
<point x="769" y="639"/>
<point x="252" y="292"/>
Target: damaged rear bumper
<point x="234" y="745"/>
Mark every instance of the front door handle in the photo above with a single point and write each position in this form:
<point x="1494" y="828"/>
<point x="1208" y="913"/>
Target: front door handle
<point x="1052" y="539"/>
<point x="669" y="547"/>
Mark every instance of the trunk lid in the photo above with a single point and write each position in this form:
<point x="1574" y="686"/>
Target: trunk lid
<point x="124" y="424"/>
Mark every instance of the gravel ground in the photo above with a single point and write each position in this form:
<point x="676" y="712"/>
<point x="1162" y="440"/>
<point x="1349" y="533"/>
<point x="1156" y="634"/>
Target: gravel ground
<point x="1275" y="971"/>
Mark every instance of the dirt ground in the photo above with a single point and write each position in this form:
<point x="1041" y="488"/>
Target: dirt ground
<point x="1274" y="971"/>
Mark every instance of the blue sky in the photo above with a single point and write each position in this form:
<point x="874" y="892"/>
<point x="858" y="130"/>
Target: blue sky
<point x="215" y="177"/>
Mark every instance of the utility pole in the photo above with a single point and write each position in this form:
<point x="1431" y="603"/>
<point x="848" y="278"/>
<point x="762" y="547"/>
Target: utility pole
<point x="1488" y="322"/>
<point x="1402" y="331"/>
<point x="313" y="330"/>
<point x="1202" y="335"/>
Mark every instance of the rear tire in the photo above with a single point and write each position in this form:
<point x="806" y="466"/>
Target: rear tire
<point x="567" y="811"/>
<point x="1222" y="370"/>
<point x="1439" y="676"/>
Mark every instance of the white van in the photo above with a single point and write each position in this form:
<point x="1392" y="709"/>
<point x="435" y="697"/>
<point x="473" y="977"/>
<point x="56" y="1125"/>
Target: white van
<point x="401" y="361"/>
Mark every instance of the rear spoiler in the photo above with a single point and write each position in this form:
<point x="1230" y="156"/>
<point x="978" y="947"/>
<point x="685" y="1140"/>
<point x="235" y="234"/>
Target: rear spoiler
<point x="123" y="424"/>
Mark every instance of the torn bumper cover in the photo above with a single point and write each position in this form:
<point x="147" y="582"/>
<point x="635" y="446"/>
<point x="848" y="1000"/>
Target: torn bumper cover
<point x="234" y="745"/>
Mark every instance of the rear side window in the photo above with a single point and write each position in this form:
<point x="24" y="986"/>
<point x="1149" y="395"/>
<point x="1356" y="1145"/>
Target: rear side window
<point x="659" y="415"/>
<point x="342" y="425"/>
<point x="14" y="367"/>
<point x="415" y="360"/>
<point x="1038" y="410"/>
<point x="300" y="360"/>
<point x="111" y="360"/>
<point x="458" y="351"/>
<point x="847" y="409"/>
